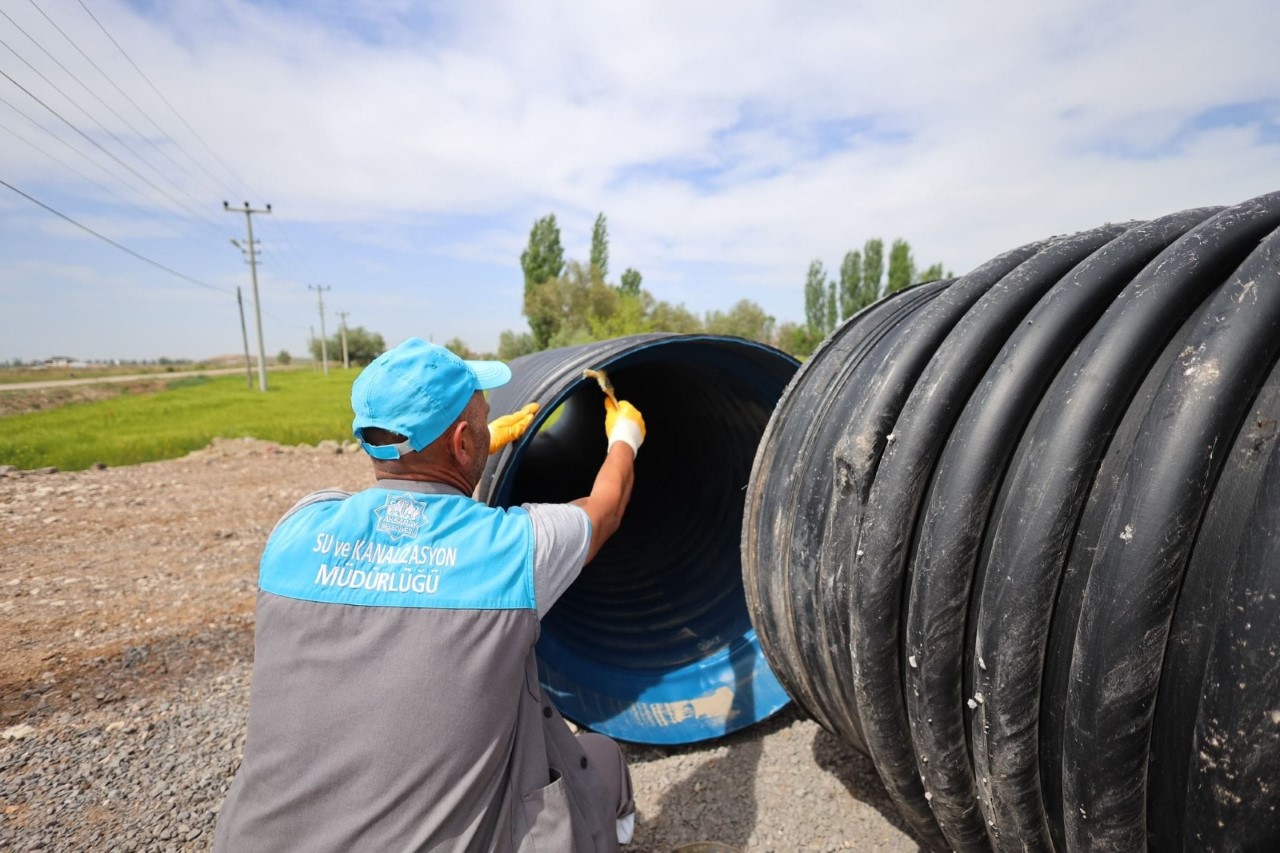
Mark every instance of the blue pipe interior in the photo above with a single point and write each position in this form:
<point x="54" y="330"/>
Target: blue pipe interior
<point x="653" y="643"/>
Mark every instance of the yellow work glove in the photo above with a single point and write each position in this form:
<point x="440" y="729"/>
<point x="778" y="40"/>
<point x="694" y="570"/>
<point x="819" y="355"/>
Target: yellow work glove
<point x="623" y="422"/>
<point x="508" y="428"/>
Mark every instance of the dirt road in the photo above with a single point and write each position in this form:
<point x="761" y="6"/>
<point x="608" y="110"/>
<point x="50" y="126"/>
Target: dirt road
<point x="126" y="620"/>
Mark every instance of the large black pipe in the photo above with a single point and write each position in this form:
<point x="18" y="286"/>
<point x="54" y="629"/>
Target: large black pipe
<point x="1006" y="581"/>
<point x="653" y="642"/>
<point x="963" y="489"/>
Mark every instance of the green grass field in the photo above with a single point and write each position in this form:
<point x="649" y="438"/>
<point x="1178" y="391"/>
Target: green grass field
<point x="299" y="407"/>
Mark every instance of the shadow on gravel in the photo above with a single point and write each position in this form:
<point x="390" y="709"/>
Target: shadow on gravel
<point x="714" y="802"/>
<point x="150" y="670"/>
<point x="858" y="775"/>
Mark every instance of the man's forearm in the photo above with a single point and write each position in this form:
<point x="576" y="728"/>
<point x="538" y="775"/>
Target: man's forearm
<point x="610" y="494"/>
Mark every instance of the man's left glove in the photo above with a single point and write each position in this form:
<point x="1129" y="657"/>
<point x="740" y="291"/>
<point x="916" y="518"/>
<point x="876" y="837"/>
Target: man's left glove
<point x="508" y="428"/>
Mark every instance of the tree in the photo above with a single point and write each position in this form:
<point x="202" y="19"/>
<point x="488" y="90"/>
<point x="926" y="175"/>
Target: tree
<point x="796" y="339"/>
<point x="363" y="346"/>
<point x="745" y="319"/>
<point x="541" y="261"/>
<point x="815" y="295"/>
<point x="514" y="344"/>
<point x="570" y="303"/>
<point x="284" y="357"/>
<point x="833" y="306"/>
<point x="459" y="347"/>
<point x="665" y="317"/>
<point x="933" y="273"/>
<point x="873" y="264"/>
<point x="851" y="293"/>
<point x="629" y="316"/>
<point x="630" y="282"/>
<point x="600" y="247"/>
<point x="902" y="267"/>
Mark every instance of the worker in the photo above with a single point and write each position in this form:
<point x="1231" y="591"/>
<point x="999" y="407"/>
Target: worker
<point x="395" y="702"/>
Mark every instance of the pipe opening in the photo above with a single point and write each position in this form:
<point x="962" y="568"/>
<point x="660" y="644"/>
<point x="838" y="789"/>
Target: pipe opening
<point x="653" y="642"/>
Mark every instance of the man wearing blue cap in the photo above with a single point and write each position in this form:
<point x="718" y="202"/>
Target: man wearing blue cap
<point x="395" y="702"/>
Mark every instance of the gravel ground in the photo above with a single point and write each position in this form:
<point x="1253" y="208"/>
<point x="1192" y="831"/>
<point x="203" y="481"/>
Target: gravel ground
<point x="126" y="627"/>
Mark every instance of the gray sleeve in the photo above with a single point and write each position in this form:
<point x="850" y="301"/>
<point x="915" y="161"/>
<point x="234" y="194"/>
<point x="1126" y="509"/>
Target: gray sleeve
<point x="561" y="539"/>
<point x="314" y="497"/>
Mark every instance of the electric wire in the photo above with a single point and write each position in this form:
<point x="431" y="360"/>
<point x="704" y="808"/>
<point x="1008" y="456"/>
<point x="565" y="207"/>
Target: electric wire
<point x="298" y="265"/>
<point x="147" y="138"/>
<point x="177" y="224"/>
<point x="168" y="223"/>
<point x="283" y="238"/>
<point x="291" y="258"/>
<point x="106" y="239"/>
<point x="99" y="146"/>
<point x="158" y="93"/>
<point x="102" y="126"/>
<point x="126" y="96"/>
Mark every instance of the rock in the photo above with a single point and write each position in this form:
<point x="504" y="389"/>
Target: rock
<point x="18" y="732"/>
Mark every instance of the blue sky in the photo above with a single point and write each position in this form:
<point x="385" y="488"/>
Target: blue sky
<point x="406" y="149"/>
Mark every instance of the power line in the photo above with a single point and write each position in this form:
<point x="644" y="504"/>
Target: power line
<point x="125" y="94"/>
<point x="298" y="263"/>
<point x="159" y="94"/>
<point x="89" y="116"/>
<point x="301" y="268"/>
<point x="167" y="222"/>
<point x="253" y="269"/>
<point x="86" y="228"/>
<point x="147" y="213"/>
<point x="283" y="322"/>
<point x="98" y="145"/>
<point x="147" y="138"/>
<point x="263" y="311"/>
<point x="342" y="316"/>
<point x="324" y="344"/>
<point x="287" y="254"/>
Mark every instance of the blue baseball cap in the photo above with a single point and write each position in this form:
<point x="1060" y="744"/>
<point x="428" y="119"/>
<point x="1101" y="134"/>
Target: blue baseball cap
<point x="417" y="389"/>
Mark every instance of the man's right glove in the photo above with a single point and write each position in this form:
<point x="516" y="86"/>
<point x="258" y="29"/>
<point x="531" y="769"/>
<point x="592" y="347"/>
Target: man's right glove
<point x="623" y="422"/>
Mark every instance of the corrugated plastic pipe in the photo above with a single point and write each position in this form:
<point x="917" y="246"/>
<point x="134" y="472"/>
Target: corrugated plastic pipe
<point x="1014" y="536"/>
<point x="653" y="642"/>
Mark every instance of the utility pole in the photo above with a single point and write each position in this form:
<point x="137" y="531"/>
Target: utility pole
<point x="248" y="370"/>
<point x="346" y="362"/>
<point x="253" y="272"/>
<point x="324" y="343"/>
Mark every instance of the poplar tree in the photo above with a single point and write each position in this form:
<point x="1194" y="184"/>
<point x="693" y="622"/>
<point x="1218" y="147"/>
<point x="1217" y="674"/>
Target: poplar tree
<point x="542" y="261"/>
<point x="933" y="273"/>
<point x="815" y="299"/>
<point x="902" y="267"/>
<point x="851" y="285"/>
<point x="630" y="282"/>
<point x="873" y="265"/>
<point x="544" y="257"/>
<point x="600" y="247"/>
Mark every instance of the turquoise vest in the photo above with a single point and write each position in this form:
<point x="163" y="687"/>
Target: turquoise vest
<point x="381" y="548"/>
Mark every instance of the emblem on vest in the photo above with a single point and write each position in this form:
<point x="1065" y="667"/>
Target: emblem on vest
<point x="400" y="517"/>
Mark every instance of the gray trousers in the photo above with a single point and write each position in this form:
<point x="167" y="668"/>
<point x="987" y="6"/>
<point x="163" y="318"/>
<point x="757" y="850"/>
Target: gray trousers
<point x="610" y="765"/>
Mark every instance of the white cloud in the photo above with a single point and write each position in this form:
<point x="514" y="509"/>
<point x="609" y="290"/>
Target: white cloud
<point x="729" y="143"/>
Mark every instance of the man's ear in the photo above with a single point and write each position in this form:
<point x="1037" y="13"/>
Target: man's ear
<point x="458" y="439"/>
<point x="462" y="445"/>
